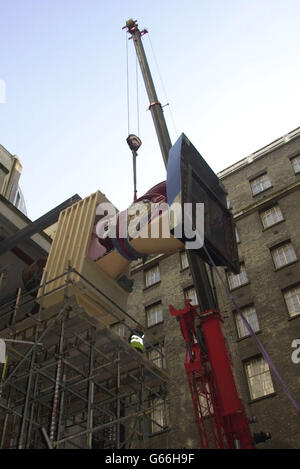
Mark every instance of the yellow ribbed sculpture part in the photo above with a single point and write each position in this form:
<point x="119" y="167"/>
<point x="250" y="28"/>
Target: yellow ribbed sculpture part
<point x="69" y="248"/>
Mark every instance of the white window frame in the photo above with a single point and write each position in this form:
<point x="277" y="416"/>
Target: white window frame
<point x="283" y="255"/>
<point x="119" y="329"/>
<point x="292" y="299"/>
<point x="154" y="314"/>
<point x="260" y="184"/>
<point x="152" y="276"/>
<point x="296" y="164"/>
<point x="271" y="216"/>
<point x="191" y="294"/>
<point x="237" y="280"/>
<point x="157" y="356"/>
<point x="184" y="262"/>
<point x="158" y="415"/>
<point x="258" y="377"/>
<point x="250" y="315"/>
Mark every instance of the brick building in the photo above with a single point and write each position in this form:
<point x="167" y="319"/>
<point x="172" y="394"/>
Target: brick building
<point x="264" y="194"/>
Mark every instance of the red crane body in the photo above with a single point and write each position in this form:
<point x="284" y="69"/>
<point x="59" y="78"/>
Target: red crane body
<point x="220" y="414"/>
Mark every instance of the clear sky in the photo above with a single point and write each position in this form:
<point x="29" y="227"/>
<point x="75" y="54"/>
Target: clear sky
<point x="230" y="69"/>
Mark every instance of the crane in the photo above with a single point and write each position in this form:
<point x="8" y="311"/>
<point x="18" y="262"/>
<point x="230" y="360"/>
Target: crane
<point x="219" y="412"/>
<point x="220" y="416"/>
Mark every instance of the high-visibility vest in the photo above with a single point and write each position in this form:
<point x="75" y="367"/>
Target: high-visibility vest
<point x="137" y="341"/>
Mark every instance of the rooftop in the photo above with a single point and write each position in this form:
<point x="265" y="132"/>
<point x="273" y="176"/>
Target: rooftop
<point x="259" y="153"/>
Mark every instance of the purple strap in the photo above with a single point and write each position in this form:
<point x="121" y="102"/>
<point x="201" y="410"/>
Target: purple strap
<point x="258" y="342"/>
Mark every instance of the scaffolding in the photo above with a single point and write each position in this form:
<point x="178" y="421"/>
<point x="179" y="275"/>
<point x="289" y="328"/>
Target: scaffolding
<point x="73" y="381"/>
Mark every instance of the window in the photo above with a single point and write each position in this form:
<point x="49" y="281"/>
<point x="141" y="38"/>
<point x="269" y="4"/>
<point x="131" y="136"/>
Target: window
<point x="29" y="332"/>
<point x="260" y="184"/>
<point x="158" y="416"/>
<point x="20" y="336"/>
<point x="119" y="329"/>
<point x="249" y="314"/>
<point x="109" y="432"/>
<point x="283" y="255"/>
<point x="207" y="409"/>
<point x="152" y="276"/>
<point x="235" y="281"/>
<point x="154" y="314"/>
<point x="292" y="299"/>
<point x="259" y="378"/>
<point x="2" y="278"/>
<point x="157" y="356"/>
<point x="296" y="164"/>
<point x="184" y="260"/>
<point x="17" y="200"/>
<point x="271" y="216"/>
<point x="190" y="294"/>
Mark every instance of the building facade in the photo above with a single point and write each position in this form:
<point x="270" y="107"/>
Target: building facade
<point x="13" y="217"/>
<point x="159" y="282"/>
<point x="263" y="194"/>
<point x="10" y="172"/>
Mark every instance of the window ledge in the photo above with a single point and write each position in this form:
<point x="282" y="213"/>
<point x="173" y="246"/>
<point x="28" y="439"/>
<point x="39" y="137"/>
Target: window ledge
<point x="261" y="192"/>
<point x="262" y="398"/>
<point x="294" y="317"/>
<point x="240" y="286"/>
<point x="271" y="226"/>
<point x="152" y="285"/>
<point x="286" y="265"/>
<point x="156" y="324"/>
<point x="240" y="339"/>
<point x="160" y="432"/>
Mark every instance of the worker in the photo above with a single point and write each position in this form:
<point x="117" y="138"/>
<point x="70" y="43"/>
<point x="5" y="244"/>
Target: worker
<point x="136" y="338"/>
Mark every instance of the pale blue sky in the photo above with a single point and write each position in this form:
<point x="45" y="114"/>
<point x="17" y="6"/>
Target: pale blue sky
<point x="231" y="71"/>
